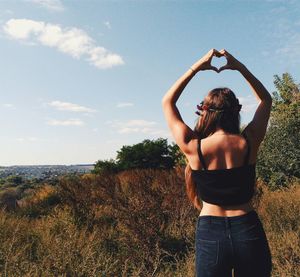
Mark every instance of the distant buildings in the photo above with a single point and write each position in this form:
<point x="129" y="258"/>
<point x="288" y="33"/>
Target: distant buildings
<point x="44" y="171"/>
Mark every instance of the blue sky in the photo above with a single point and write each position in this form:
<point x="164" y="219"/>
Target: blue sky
<point x="80" y="79"/>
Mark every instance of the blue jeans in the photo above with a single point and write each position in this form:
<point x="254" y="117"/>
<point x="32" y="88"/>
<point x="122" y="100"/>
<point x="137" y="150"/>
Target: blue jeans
<point x="235" y="242"/>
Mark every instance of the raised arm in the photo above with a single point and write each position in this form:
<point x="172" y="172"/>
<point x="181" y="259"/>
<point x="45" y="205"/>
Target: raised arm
<point x="180" y="131"/>
<point x="256" y="129"/>
<point x="258" y="126"/>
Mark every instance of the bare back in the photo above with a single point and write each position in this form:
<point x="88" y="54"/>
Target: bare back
<point x="222" y="151"/>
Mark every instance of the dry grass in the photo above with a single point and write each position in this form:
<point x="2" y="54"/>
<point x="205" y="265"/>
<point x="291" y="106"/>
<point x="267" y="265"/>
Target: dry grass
<point x="280" y="214"/>
<point x="137" y="223"/>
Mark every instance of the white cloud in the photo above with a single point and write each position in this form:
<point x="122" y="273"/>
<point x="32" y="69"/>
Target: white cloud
<point x="138" y="126"/>
<point x="101" y="58"/>
<point x="20" y="139"/>
<point x="140" y="123"/>
<point x="107" y="24"/>
<point x="291" y="48"/>
<point x="33" y="139"/>
<point x="278" y="10"/>
<point x="66" y="106"/>
<point x="8" y="106"/>
<point x="124" y="104"/>
<point x="27" y="139"/>
<point x="249" y="103"/>
<point x="69" y="122"/>
<point x="53" y="5"/>
<point x="72" y="41"/>
<point x="284" y="36"/>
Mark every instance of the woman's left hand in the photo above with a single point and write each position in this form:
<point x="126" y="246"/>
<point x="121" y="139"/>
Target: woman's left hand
<point x="205" y="62"/>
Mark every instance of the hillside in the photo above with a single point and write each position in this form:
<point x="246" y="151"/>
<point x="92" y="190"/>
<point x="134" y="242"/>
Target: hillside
<point x="135" y="223"/>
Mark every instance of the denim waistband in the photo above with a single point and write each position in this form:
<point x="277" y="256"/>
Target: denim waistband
<point x="251" y="216"/>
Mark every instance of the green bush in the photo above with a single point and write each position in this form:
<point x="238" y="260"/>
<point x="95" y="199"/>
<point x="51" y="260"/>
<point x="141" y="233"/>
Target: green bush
<point x="155" y="154"/>
<point x="279" y="154"/>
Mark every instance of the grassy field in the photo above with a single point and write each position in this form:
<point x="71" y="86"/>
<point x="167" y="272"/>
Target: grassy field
<point x="136" y="223"/>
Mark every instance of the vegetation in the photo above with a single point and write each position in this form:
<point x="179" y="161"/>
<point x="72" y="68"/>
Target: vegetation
<point x="134" y="223"/>
<point x="147" y="154"/>
<point x="14" y="189"/>
<point x="132" y="217"/>
<point x="279" y="155"/>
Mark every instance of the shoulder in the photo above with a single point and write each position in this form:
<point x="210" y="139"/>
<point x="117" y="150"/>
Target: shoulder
<point x="191" y="152"/>
<point x="191" y="146"/>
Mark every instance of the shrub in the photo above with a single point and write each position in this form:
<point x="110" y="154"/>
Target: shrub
<point x="137" y="223"/>
<point x="39" y="202"/>
<point x="279" y="154"/>
<point x="8" y="199"/>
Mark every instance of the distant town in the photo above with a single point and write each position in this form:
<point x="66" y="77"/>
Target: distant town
<point x="43" y="171"/>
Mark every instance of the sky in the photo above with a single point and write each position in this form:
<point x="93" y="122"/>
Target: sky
<point x="80" y="79"/>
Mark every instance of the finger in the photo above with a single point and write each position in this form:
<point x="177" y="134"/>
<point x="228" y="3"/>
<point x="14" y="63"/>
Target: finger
<point x="211" y="53"/>
<point x="215" y="69"/>
<point x="217" y="53"/>
<point x="223" y="68"/>
<point x="224" y="52"/>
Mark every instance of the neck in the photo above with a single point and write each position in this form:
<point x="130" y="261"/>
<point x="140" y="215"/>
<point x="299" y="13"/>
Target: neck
<point x="220" y="132"/>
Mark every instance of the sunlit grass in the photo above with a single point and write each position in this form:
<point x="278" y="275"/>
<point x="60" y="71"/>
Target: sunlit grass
<point x="137" y="223"/>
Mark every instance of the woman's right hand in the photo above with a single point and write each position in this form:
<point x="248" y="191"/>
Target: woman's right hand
<point x="232" y="62"/>
<point x="205" y="62"/>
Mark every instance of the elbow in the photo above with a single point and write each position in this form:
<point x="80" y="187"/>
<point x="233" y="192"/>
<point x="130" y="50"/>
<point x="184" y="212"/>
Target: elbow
<point x="166" y="101"/>
<point x="269" y="100"/>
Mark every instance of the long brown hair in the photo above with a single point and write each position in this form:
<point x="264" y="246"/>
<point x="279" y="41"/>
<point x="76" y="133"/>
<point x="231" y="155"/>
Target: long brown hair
<point x="226" y="117"/>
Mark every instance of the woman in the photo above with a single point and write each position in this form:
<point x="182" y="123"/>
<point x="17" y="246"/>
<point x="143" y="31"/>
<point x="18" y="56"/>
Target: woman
<point x="221" y="172"/>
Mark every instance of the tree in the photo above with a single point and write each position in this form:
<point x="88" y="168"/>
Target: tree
<point x="14" y="180"/>
<point x="177" y="155"/>
<point x="109" y="166"/>
<point x="279" y="154"/>
<point x="147" y="154"/>
<point x="156" y="154"/>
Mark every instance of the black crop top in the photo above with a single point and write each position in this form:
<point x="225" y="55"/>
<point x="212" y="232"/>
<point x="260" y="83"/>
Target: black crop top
<point x="233" y="186"/>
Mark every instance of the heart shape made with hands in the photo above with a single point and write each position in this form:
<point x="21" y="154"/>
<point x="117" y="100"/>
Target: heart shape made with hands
<point x="218" y="62"/>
